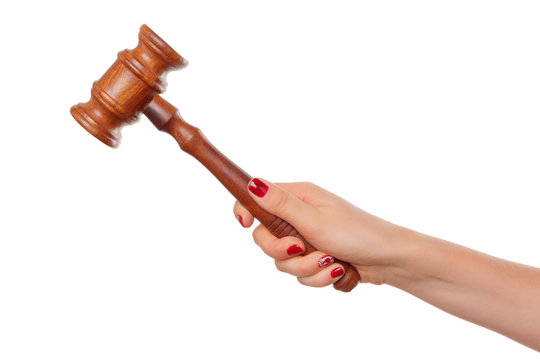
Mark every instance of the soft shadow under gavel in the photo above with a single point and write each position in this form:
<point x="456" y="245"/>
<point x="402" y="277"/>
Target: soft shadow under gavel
<point x="132" y="85"/>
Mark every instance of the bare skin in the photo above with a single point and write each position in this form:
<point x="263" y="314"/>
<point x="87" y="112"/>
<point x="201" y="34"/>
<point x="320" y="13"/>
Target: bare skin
<point x="494" y="293"/>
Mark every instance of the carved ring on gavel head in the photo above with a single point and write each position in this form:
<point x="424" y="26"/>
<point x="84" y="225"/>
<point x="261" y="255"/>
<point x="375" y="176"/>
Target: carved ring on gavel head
<point x="132" y="86"/>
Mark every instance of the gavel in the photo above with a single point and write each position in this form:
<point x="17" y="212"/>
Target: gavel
<point x="132" y="86"/>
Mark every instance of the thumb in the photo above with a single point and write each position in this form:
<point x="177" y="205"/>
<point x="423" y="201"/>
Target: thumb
<point x="282" y="203"/>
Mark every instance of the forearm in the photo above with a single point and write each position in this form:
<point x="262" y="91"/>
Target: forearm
<point x="494" y="293"/>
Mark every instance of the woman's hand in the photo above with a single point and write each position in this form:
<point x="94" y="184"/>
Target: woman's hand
<point x="332" y="225"/>
<point x="491" y="292"/>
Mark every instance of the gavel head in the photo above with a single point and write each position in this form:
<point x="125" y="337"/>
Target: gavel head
<point x="127" y="87"/>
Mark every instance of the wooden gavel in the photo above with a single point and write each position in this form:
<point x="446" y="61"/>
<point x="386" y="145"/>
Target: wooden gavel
<point x="132" y="85"/>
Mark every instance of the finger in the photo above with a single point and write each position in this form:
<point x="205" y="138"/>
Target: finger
<point x="307" y="192"/>
<point x="278" y="249"/>
<point x="282" y="203"/>
<point x="304" y="266"/>
<point x="243" y="216"/>
<point x="325" y="277"/>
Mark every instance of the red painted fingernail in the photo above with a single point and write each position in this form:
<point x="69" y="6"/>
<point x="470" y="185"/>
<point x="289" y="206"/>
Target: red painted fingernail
<point x="295" y="249"/>
<point x="240" y="220"/>
<point x="337" y="272"/>
<point x="257" y="187"/>
<point x="326" y="260"/>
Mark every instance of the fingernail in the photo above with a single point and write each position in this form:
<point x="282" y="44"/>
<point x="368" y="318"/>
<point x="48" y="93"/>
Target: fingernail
<point x="257" y="187"/>
<point x="295" y="249"/>
<point x="337" y="272"/>
<point x="240" y="220"/>
<point x="326" y="260"/>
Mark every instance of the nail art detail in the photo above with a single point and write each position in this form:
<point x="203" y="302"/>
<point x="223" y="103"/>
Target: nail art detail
<point x="337" y="272"/>
<point x="257" y="187"/>
<point x="295" y="249"/>
<point x="326" y="260"/>
<point x="240" y="220"/>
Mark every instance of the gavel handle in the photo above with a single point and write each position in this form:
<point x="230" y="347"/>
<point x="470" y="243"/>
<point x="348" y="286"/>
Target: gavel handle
<point x="191" y="140"/>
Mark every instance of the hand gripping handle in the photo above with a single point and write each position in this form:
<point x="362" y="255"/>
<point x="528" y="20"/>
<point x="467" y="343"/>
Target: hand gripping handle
<point x="280" y="228"/>
<point x="191" y="140"/>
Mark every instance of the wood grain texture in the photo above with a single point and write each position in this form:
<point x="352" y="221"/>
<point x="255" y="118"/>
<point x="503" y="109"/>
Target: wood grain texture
<point x="131" y="86"/>
<point x="123" y="92"/>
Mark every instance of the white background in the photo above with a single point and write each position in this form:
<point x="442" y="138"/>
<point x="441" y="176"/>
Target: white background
<point x="424" y="113"/>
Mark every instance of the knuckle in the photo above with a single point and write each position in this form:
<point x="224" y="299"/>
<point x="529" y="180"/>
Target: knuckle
<point x="256" y="240"/>
<point x="318" y="283"/>
<point x="312" y="281"/>
<point x="309" y="281"/>
<point x="309" y="185"/>
<point x="305" y="268"/>
<point x="280" y="265"/>
<point x="281" y="202"/>
<point x="257" y="237"/>
<point x="257" y="231"/>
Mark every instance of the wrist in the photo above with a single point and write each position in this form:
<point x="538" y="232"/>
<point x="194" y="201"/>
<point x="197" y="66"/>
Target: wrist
<point x="396" y="249"/>
<point x="418" y="258"/>
<point x="405" y="257"/>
